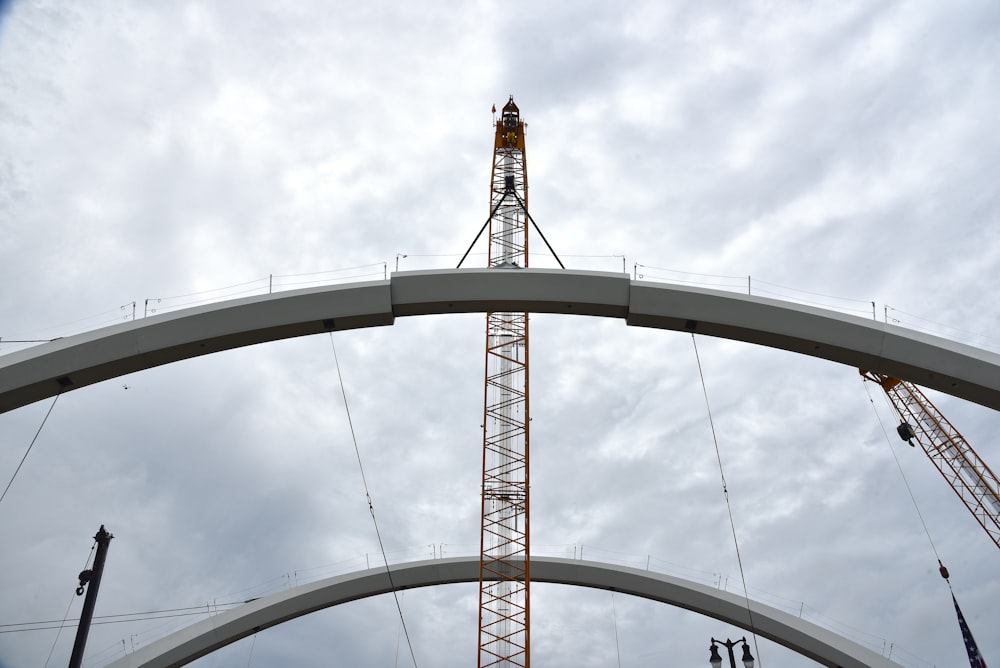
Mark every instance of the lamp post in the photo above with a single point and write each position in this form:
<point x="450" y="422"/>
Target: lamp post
<point x="716" y="661"/>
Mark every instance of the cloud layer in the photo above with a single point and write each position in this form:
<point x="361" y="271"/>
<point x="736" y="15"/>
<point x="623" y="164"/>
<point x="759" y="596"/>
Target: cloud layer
<point x="839" y="155"/>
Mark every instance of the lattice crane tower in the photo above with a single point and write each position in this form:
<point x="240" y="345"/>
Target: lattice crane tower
<point x="920" y="420"/>
<point x="504" y="569"/>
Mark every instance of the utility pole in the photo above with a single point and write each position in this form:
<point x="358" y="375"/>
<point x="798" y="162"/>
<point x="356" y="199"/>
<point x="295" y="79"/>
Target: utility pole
<point x="92" y="576"/>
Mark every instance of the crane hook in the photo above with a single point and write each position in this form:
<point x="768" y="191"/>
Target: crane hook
<point x="84" y="579"/>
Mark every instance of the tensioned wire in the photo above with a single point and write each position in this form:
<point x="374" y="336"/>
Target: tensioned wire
<point x="614" y="617"/>
<point x="725" y="492"/>
<point x="90" y="555"/>
<point x="18" y="469"/>
<point x="906" y="483"/>
<point x="371" y="508"/>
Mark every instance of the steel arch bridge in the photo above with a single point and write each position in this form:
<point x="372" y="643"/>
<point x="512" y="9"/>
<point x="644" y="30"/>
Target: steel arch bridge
<point x="73" y="362"/>
<point x="206" y="636"/>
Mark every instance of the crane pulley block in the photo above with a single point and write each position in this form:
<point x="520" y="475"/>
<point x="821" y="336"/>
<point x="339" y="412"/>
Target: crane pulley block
<point x="905" y="431"/>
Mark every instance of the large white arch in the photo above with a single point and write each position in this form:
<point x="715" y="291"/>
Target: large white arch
<point x="66" y="364"/>
<point x="208" y="635"/>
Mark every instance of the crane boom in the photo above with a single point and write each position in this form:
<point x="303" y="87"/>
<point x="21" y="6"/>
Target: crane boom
<point x="973" y="481"/>
<point x="504" y="567"/>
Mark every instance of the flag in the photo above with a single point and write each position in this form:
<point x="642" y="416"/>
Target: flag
<point x="975" y="658"/>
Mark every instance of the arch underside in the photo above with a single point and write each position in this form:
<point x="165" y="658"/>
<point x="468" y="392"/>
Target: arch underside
<point x="69" y="363"/>
<point x="810" y="640"/>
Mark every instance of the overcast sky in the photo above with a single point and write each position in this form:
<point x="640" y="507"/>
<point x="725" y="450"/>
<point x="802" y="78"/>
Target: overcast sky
<point x="839" y="153"/>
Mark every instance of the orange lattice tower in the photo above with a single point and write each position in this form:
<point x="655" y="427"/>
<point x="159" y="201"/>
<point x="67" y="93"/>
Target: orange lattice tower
<point x="504" y="573"/>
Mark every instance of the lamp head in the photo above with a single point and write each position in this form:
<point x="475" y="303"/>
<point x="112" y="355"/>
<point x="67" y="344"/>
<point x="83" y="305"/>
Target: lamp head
<point x="715" y="660"/>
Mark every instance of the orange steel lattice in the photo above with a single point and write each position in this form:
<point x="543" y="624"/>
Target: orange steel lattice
<point x="504" y="569"/>
<point x="951" y="454"/>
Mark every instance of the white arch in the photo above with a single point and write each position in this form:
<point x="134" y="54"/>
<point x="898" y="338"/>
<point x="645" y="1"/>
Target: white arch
<point x="66" y="364"/>
<point x="201" y="638"/>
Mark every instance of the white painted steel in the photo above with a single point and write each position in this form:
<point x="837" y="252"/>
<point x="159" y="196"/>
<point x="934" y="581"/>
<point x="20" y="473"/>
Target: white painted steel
<point x="66" y="364"/>
<point x="204" y="637"/>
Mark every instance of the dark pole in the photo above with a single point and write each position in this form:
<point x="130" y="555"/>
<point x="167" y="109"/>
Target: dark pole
<point x="92" y="576"/>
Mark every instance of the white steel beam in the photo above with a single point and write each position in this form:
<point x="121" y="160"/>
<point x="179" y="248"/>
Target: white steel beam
<point x="66" y="364"/>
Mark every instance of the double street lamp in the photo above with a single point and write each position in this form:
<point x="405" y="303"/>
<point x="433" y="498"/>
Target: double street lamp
<point x="716" y="661"/>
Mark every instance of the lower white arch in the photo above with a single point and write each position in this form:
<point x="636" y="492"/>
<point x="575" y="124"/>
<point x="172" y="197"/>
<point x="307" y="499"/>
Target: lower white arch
<point x="66" y="364"/>
<point x="805" y="638"/>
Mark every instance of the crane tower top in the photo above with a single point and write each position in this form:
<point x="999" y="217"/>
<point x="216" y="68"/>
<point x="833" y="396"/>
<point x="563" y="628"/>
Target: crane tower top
<point x="510" y="127"/>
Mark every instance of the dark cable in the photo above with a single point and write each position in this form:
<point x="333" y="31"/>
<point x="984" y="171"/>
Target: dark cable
<point x="53" y="405"/>
<point x="906" y="483"/>
<point x="119" y="618"/>
<point x="252" y="644"/>
<point x="371" y="508"/>
<point x="90" y="555"/>
<point x="73" y="622"/>
<point x="614" y="616"/>
<point x="492" y="213"/>
<point x="538" y="229"/>
<point x="725" y="492"/>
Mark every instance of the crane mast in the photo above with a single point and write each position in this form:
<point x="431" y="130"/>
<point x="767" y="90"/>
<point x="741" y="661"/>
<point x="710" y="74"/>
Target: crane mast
<point x="504" y="568"/>
<point x="973" y="481"/>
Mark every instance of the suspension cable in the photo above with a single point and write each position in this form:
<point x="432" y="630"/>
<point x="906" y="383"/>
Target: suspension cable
<point x="614" y="617"/>
<point x="371" y="508"/>
<point x="44" y="420"/>
<point x="725" y="493"/>
<point x="253" y="643"/>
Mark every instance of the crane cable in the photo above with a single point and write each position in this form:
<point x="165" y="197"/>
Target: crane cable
<point x="725" y="492"/>
<point x="906" y="483"/>
<point x="371" y="508"/>
<point x="970" y="643"/>
<point x="90" y="555"/>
